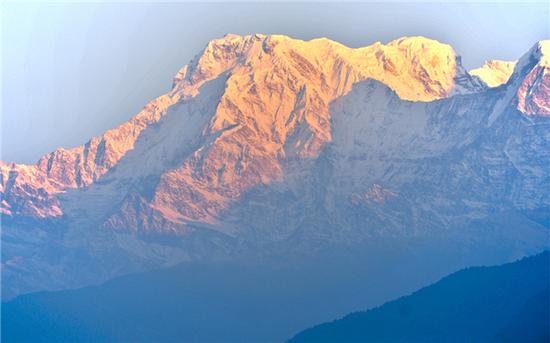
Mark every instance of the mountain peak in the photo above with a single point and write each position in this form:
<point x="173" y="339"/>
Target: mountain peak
<point x="532" y="74"/>
<point x="541" y="52"/>
<point x="419" y="42"/>
<point x="275" y="93"/>
<point x="537" y="56"/>
<point x="494" y="72"/>
<point x="416" y="68"/>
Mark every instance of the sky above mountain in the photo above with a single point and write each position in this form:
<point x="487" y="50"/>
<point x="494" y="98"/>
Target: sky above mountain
<point x="70" y="71"/>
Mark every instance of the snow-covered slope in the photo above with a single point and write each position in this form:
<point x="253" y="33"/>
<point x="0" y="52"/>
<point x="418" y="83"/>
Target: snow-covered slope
<point x="494" y="72"/>
<point x="272" y="145"/>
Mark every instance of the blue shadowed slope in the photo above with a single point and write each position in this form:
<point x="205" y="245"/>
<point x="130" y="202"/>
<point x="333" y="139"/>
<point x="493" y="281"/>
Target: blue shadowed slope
<point x="508" y="303"/>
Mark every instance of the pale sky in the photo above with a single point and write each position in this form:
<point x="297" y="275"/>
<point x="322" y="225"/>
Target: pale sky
<point x="70" y="71"/>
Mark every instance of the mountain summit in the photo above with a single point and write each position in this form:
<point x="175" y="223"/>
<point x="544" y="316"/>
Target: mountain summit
<point x="268" y="145"/>
<point x="494" y="72"/>
<point x="534" y="74"/>
<point x="275" y="97"/>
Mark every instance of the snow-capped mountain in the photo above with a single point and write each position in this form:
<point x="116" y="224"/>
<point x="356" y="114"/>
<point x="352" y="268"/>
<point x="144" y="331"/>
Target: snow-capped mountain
<point x="261" y="81"/>
<point x="269" y="146"/>
<point x="494" y="72"/>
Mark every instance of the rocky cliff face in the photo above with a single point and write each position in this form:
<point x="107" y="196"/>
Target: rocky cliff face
<point x="533" y="71"/>
<point x="271" y="144"/>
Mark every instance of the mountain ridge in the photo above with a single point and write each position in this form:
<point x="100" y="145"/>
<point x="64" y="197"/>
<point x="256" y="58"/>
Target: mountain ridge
<point x="477" y="303"/>
<point x="54" y="171"/>
<point x="275" y="145"/>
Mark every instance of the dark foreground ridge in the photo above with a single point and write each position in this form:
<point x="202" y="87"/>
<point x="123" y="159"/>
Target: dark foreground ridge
<point x="507" y="303"/>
